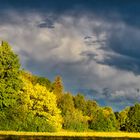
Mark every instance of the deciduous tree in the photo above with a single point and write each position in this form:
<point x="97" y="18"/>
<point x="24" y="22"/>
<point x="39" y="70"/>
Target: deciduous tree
<point x="133" y="119"/>
<point x="42" y="104"/>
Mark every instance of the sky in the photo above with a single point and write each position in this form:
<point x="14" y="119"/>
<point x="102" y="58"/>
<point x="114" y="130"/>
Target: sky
<point x="93" y="44"/>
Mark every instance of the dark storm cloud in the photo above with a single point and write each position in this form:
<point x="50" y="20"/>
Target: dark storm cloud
<point x="111" y="10"/>
<point x="123" y="63"/>
<point x="125" y="41"/>
<point x="125" y="44"/>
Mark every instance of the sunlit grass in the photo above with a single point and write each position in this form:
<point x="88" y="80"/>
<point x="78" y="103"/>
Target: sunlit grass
<point x="71" y="134"/>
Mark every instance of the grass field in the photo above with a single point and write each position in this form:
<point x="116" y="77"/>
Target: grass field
<point x="73" y="134"/>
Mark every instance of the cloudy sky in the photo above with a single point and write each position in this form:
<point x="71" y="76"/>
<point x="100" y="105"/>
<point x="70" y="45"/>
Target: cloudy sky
<point x="93" y="44"/>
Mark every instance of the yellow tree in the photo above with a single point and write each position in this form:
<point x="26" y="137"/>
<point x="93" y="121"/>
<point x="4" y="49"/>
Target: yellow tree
<point x="42" y="104"/>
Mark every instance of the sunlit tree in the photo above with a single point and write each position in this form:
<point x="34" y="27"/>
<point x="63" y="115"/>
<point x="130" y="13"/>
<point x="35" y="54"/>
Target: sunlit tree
<point x="42" y="104"/>
<point x="10" y="82"/>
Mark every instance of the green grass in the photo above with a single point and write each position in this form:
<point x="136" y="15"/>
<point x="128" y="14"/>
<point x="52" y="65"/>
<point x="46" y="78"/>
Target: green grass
<point x="71" y="134"/>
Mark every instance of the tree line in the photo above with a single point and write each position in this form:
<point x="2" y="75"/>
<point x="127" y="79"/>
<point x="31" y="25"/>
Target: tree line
<point x="33" y="103"/>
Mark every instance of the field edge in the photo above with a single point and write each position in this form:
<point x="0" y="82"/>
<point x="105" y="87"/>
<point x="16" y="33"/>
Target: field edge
<point x="72" y="134"/>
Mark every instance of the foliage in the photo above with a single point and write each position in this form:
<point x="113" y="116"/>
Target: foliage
<point x="91" y="108"/>
<point x="80" y="102"/>
<point x="10" y="83"/>
<point x="75" y="121"/>
<point x="42" y="103"/>
<point x="10" y="88"/>
<point x="73" y="118"/>
<point x="11" y="118"/>
<point x="44" y="82"/>
<point x="35" y="123"/>
<point x="37" y="79"/>
<point x="133" y="119"/>
<point x="122" y="117"/>
<point x="66" y="103"/>
<point x="57" y="88"/>
<point x="104" y="120"/>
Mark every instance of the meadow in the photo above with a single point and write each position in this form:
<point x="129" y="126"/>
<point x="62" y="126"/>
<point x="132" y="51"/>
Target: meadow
<point x="73" y="134"/>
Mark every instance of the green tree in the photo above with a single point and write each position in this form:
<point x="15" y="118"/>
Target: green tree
<point x="58" y="88"/>
<point x="66" y="103"/>
<point x="73" y="118"/>
<point x="104" y="120"/>
<point x="133" y="119"/>
<point x="80" y="102"/>
<point x="10" y="88"/>
<point x="91" y="108"/>
<point x="122" y="117"/>
<point x="10" y="82"/>
<point x="44" y="82"/>
<point x="75" y="121"/>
